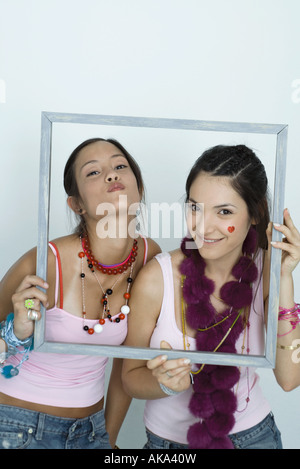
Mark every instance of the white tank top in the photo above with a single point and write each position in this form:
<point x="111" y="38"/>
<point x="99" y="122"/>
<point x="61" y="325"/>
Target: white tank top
<point x="170" y="417"/>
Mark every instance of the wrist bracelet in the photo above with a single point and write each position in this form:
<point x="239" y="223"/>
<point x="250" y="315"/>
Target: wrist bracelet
<point x="13" y="346"/>
<point x="294" y="309"/>
<point x="168" y="391"/>
<point x="288" y="347"/>
<point x="292" y="315"/>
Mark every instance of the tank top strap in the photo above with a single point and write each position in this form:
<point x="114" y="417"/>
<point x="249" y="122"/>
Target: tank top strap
<point x="58" y="279"/>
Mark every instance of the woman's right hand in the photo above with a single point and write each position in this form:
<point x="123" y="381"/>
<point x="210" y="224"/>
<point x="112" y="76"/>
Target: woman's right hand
<point x="175" y="374"/>
<point x="28" y="289"/>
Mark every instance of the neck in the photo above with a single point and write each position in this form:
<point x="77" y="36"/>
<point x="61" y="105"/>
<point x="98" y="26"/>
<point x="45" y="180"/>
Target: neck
<point x="107" y="250"/>
<point x="221" y="268"/>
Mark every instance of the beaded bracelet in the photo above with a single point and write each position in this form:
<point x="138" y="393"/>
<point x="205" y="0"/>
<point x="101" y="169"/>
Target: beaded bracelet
<point x="13" y="346"/>
<point x="294" y="309"/>
<point x="292" y="315"/>
<point x="169" y="391"/>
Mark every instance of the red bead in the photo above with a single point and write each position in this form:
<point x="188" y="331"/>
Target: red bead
<point x="122" y="316"/>
<point x="81" y="255"/>
<point x="102" y="321"/>
<point x="126" y="296"/>
<point x="91" y="331"/>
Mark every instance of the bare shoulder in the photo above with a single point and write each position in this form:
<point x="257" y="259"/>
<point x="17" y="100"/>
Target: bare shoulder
<point x="153" y="249"/>
<point x="149" y="276"/>
<point x="67" y="242"/>
<point x="177" y="257"/>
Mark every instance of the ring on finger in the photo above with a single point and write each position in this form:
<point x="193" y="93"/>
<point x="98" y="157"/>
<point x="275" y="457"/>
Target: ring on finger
<point x="29" y="303"/>
<point x="32" y="315"/>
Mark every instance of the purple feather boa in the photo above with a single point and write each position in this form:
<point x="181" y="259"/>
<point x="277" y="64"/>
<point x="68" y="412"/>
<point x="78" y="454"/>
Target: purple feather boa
<point x="213" y="400"/>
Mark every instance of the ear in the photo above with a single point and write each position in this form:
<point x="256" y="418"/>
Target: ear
<point x="74" y="205"/>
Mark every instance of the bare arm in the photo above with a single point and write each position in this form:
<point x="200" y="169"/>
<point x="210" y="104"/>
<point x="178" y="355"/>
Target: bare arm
<point x="287" y="371"/>
<point x="19" y="284"/>
<point x="26" y="265"/>
<point x="140" y="378"/>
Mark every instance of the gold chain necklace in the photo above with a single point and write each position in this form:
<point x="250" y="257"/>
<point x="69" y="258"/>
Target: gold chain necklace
<point x="183" y="322"/>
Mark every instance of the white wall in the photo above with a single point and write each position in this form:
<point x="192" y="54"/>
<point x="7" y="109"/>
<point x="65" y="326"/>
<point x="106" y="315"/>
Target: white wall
<point x="232" y="60"/>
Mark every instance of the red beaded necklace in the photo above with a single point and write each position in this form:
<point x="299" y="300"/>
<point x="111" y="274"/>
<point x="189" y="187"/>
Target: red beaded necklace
<point x="115" y="269"/>
<point x="107" y="269"/>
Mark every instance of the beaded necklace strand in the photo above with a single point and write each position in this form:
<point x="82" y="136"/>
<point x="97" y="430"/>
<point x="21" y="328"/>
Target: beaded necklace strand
<point x="109" y="270"/>
<point x="113" y="269"/>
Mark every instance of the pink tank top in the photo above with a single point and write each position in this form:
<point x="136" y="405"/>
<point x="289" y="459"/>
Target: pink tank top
<point x="170" y="417"/>
<point x="64" y="380"/>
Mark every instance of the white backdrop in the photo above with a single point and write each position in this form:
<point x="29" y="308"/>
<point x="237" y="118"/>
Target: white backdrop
<point x="231" y="60"/>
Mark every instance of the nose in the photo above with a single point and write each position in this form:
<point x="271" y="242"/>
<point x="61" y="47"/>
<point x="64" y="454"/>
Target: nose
<point x="111" y="176"/>
<point x="208" y="224"/>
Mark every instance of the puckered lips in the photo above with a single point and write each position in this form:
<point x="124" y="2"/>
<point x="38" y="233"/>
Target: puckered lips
<point x="115" y="186"/>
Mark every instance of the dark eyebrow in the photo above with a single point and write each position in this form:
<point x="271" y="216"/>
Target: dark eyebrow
<point x="225" y="205"/>
<point x="97" y="161"/>
<point x="216" y="206"/>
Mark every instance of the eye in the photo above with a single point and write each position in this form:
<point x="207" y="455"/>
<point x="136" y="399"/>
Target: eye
<point x="93" y="173"/>
<point x="194" y="207"/>
<point x="225" y="211"/>
<point x="121" y="166"/>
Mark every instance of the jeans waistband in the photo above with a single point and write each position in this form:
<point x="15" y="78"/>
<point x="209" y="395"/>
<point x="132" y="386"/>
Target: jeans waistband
<point x="40" y="421"/>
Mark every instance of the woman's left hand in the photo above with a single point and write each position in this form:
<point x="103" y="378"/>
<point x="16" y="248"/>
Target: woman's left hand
<point x="290" y="244"/>
<point x="175" y="374"/>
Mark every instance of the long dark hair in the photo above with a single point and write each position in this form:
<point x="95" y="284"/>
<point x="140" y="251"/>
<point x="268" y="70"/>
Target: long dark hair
<point x="70" y="183"/>
<point x="247" y="176"/>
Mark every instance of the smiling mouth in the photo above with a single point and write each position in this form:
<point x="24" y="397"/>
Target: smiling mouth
<point x="211" y="241"/>
<point x="116" y="187"/>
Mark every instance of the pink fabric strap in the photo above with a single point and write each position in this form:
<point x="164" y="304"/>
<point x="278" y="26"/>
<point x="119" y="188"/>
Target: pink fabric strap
<point x="58" y="282"/>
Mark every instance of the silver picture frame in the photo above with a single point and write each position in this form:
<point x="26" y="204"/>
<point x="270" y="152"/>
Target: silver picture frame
<point x="267" y="360"/>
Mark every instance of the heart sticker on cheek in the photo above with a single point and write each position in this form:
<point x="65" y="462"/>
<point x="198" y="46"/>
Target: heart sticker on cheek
<point x="231" y="229"/>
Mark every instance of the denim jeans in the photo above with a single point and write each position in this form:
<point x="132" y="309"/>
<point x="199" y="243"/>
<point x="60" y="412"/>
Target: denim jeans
<point x="27" y="429"/>
<point x="264" y="435"/>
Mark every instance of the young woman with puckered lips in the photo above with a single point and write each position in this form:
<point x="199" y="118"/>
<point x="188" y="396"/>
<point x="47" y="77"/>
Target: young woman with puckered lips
<point x="56" y="401"/>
